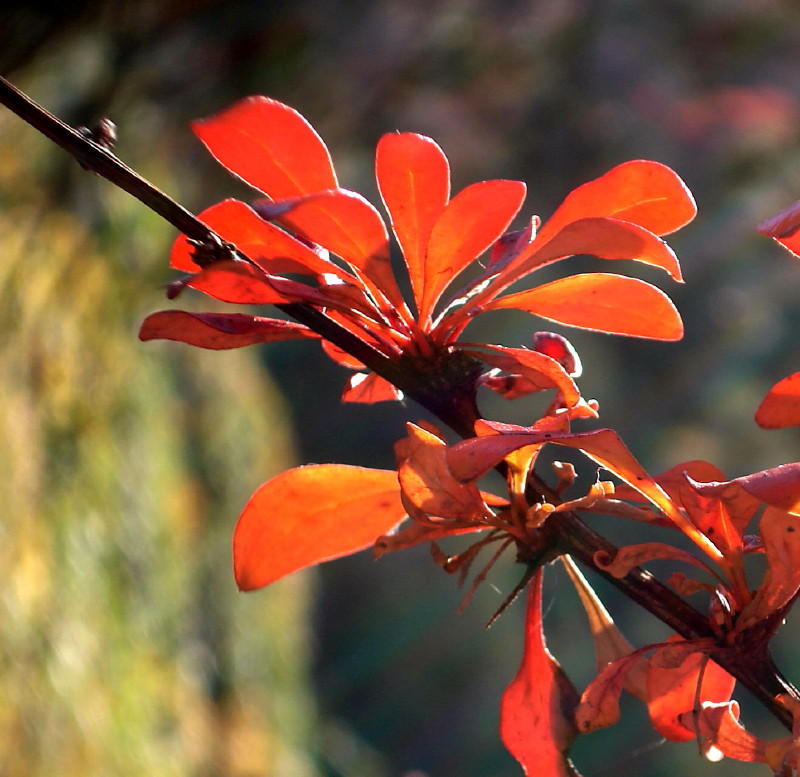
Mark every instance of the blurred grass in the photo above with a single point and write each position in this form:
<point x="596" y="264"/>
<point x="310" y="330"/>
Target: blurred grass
<point x="125" y="648"/>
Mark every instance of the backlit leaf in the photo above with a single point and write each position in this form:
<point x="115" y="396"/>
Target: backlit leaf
<point x="414" y="181"/>
<point x="604" y="238"/>
<point x="470" y="459"/>
<point x="673" y="691"/>
<point x="269" y="146"/>
<point x="350" y="227"/>
<point x="369" y="388"/>
<point x="609" y="642"/>
<point x="640" y="191"/>
<point x="630" y="556"/>
<point x="470" y="224"/>
<point x="270" y="247"/>
<point x="309" y="515"/>
<point x="784" y="228"/>
<point x="780" y="533"/>
<point x="536" y="716"/>
<point x="219" y="331"/>
<point x="541" y="370"/>
<point x="719" y="724"/>
<point x="602" y="302"/>
<point x="599" y="704"/>
<point x="234" y="281"/>
<point x="427" y="482"/>
<point x="781" y="407"/>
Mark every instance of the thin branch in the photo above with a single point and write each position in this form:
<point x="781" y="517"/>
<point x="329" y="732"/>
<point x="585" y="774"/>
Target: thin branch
<point x="447" y="390"/>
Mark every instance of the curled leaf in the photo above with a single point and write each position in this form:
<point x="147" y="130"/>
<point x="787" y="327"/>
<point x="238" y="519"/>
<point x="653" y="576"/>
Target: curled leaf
<point x="673" y="690"/>
<point x="630" y="556"/>
<point x="427" y="482"/>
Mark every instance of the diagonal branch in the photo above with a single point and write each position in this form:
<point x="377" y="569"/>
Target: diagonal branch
<point x="447" y="389"/>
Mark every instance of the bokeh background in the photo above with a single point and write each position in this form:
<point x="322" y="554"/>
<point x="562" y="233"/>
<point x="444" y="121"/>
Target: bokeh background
<point x="124" y="647"/>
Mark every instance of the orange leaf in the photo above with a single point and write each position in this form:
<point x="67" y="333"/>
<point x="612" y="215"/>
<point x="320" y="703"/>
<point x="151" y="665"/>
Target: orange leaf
<point x="781" y="407"/>
<point x="719" y="724"/>
<point x="369" y="388"/>
<point x="780" y="532"/>
<point x="630" y="556"/>
<point x="599" y="704"/>
<point x="270" y="247"/>
<point x="609" y="642"/>
<point x="784" y="228"/>
<point x="414" y="181"/>
<point x="541" y="370"/>
<point x="536" y="716"/>
<point x="426" y="480"/>
<point x="350" y="227"/>
<point x="640" y="191"/>
<point x="309" y="515"/>
<point x="469" y="459"/>
<point x="672" y="691"/>
<point x="470" y="224"/>
<point x="219" y="331"/>
<point x="602" y="302"/>
<point x="232" y="281"/>
<point x="604" y="238"/>
<point x="777" y="486"/>
<point x="269" y="146"/>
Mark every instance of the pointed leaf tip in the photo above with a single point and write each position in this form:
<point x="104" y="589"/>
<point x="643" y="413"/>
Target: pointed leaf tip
<point x="536" y="716"/>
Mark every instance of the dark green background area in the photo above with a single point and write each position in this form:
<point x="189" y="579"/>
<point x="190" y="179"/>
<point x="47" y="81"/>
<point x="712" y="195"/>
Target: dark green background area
<point x="125" y="648"/>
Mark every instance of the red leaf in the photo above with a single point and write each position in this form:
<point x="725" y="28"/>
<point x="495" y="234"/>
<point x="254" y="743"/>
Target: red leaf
<point x="427" y="482"/>
<point x="781" y="407"/>
<point x="269" y="146"/>
<point x="369" y="388"/>
<point x="309" y="515"/>
<point x="350" y="227"/>
<point x="672" y="691"/>
<point x="630" y="556"/>
<point x="414" y="181"/>
<point x="599" y="704"/>
<point x="784" y="228"/>
<point x="536" y="716"/>
<point x="777" y="486"/>
<point x="640" y="191"/>
<point x="541" y="370"/>
<point x="270" y="247"/>
<point x="234" y="281"/>
<point x="719" y="724"/>
<point x="219" y="331"/>
<point x="470" y="224"/>
<point x="780" y="532"/>
<point x="469" y="459"/>
<point x="602" y="302"/>
<point x="604" y="238"/>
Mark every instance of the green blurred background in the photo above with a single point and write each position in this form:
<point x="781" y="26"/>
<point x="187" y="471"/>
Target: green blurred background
<point x="124" y="646"/>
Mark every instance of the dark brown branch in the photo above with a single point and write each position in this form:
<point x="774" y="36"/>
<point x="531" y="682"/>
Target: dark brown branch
<point x="447" y="389"/>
